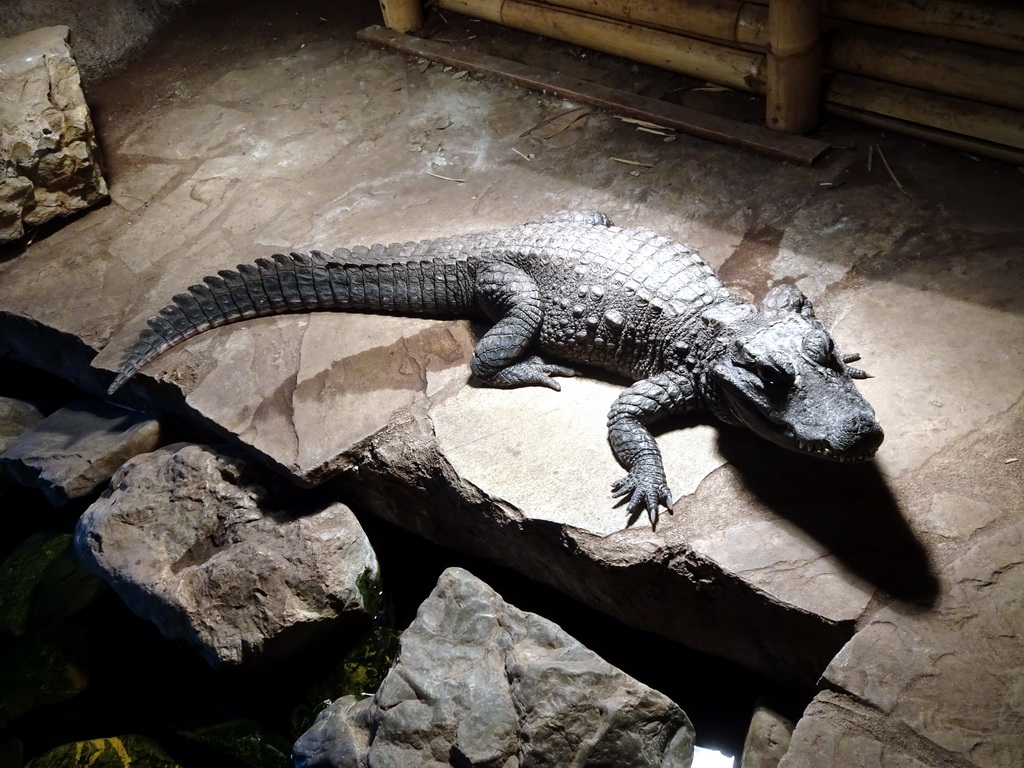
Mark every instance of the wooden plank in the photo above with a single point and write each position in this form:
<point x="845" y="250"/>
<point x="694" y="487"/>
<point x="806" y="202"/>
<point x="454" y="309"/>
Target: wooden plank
<point x="798" y="149"/>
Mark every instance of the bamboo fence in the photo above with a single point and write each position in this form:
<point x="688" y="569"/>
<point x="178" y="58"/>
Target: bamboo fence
<point x="948" y="70"/>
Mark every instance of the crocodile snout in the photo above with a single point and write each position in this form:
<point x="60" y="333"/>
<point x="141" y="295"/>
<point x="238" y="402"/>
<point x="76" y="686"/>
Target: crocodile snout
<point x="860" y="435"/>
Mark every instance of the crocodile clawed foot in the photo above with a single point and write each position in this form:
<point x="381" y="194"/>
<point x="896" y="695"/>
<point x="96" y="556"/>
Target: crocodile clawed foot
<point x="531" y="372"/>
<point x="648" y="494"/>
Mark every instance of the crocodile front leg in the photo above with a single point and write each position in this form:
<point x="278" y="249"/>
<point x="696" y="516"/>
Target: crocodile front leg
<point x="633" y="445"/>
<point x="510" y="297"/>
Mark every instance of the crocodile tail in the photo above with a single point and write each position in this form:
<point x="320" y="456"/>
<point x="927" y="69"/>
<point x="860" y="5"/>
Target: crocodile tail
<point x="403" y="279"/>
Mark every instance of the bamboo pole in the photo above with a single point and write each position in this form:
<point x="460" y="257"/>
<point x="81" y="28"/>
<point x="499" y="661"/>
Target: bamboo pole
<point x="402" y="15"/>
<point x="997" y="25"/>
<point x="934" y="135"/>
<point x="950" y="119"/>
<point x="988" y="75"/>
<point x="947" y="113"/>
<point x="967" y="70"/>
<point x="734" y="21"/>
<point x="697" y="58"/>
<point x="794" y="65"/>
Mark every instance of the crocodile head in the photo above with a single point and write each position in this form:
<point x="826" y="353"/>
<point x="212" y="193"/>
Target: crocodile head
<point x="782" y="376"/>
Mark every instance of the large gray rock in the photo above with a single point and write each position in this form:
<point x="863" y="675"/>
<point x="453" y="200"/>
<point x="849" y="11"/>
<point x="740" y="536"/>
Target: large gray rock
<point x="49" y="152"/>
<point x="192" y="540"/>
<point x="480" y="683"/>
<point x="76" y="449"/>
<point x="931" y="688"/>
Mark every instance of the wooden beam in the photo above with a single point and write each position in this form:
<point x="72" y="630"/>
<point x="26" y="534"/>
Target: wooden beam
<point x="713" y="62"/>
<point x="946" y="113"/>
<point x="999" y="25"/>
<point x="988" y="75"/>
<point x="734" y="21"/>
<point x="934" y="135"/>
<point x="794" y="65"/>
<point x="402" y="15"/>
<point x="797" y="149"/>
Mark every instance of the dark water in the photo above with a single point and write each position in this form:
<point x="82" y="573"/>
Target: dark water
<point x="139" y="683"/>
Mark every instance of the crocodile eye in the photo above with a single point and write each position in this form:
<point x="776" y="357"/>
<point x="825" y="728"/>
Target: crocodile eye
<point x="741" y="355"/>
<point x="818" y="347"/>
<point x="774" y="376"/>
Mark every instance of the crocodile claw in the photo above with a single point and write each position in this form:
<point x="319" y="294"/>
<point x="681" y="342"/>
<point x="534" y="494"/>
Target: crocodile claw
<point x="644" y="494"/>
<point x="532" y="371"/>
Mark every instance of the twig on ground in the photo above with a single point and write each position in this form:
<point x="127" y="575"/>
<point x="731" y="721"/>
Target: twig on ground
<point x="446" y="178"/>
<point x="892" y="175"/>
<point x="632" y="162"/>
<point x="552" y="119"/>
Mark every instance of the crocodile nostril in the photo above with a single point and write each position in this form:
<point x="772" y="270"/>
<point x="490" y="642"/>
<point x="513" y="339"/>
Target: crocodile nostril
<point x="862" y="434"/>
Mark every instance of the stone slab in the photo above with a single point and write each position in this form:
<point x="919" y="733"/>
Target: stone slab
<point x="301" y="391"/>
<point x="75" y="450"/>
<point x="925" y="311"/>
<point x="632" y="573"/>
<point x="547" y="453"/>
<point x="952" y="677"/>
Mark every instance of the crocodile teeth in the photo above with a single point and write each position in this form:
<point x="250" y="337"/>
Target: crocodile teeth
<point x="819" y="448"/>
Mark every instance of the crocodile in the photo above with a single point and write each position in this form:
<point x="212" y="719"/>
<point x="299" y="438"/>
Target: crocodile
<point x="583" y="291"/>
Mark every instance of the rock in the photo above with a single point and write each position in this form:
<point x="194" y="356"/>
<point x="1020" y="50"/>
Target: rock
<point x="940" y="687"/>
<point x="51" y="163"/>
<point x="208" y="549"/>
<point x="479" y="682"/>
<point x="633" y="573"/>
<point x="16" y="416"/>
<point x="76" y="449"/>
<point x="767" y="739"/>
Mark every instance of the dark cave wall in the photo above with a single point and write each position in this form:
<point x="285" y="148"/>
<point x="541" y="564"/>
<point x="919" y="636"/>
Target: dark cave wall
<point x="104" y="33"/>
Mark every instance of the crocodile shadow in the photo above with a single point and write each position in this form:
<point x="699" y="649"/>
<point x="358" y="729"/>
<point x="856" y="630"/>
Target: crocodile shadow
<point x="848" y="508"/>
